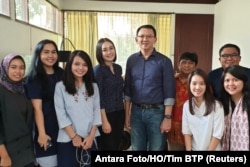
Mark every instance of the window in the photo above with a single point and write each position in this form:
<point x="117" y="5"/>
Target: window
<point x="39" y="13"/>
<point x="5" y="7"/>
<point x="27" y="59"/>
<point x="21" y="7"/>
<point x="58" y="23"/>
<point x="119" y="27"/>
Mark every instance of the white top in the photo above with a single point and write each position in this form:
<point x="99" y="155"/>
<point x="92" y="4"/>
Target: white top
<point x="81" y="112"/>
<point x="203" y="128"/>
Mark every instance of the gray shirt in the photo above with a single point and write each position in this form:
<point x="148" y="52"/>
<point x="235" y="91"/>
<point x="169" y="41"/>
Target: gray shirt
<point x="81" y="112"/>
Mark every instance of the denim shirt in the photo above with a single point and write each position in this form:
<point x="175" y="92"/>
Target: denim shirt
<point x="149" y="81"/>
<point x="111" y="87"/>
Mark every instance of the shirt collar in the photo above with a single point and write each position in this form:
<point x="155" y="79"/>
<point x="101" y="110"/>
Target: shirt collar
<point x="154" y="53"/>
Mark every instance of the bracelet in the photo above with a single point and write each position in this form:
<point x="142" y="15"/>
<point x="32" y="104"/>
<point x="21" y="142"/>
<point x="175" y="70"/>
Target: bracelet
<point x="74" y="137"/>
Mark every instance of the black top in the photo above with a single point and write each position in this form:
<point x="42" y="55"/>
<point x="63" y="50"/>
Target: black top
<point x="16" y="122"/>
<point x="110" y="87"/>
<point x="36" y="90"/>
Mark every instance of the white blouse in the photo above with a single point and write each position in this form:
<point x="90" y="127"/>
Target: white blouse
<point x="203" y="128"/>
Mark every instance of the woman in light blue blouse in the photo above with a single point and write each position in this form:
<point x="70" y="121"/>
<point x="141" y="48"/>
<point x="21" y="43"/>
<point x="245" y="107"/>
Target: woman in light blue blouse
<point x="78" y="111"/>
<point x="108" y="76"/>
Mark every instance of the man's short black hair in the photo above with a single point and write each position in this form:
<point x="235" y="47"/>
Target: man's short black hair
<point x="229" y="45"/>
<point x="147" y="26"/>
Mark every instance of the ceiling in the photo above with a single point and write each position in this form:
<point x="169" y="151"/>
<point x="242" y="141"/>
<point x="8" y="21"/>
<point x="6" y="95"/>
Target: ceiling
<point x="169" y="1"/>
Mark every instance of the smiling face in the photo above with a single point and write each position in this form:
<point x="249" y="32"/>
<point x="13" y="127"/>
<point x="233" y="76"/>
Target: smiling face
<point x="233" y="85"/>
<point x="197" y="86"/>
<point x="16" y="70"/>
<point x="146" y="39"/>
<point x="48" y="55"/>
<point x="229" y="56"/>
<point x="186" y="66"/>
<point x="108" y="52"/>
<point x="79" y="67"/>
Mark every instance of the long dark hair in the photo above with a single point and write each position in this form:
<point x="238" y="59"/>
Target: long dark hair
<point x="36" y="67"/>
<point x="88" y="78"/>
<point x="239" y="73"/>
<point x="208" y="97"/>
<point x="36" y="70"/>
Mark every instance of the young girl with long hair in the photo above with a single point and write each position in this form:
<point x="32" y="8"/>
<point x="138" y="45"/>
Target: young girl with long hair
<point x="202" y="119"/>
<point x="77" y="104"/>
<point x="108" y="76"/>
<point x="40" y="84"/>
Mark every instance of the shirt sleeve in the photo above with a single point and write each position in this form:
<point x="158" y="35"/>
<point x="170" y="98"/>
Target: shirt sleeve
<point x="59" y="100"/>
<point x="185" y="124"/>
<point x="127" y="94"/>
<point x="97" y="111"/>
<point x="168" y="82"/>
<point x="99" y="79"/>
<point x="218" y="125"/>
<point x="1" y="127"/>
<point x="33" y="89"/>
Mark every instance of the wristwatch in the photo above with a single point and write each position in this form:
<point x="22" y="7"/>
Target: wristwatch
<point x="168" y="116"/>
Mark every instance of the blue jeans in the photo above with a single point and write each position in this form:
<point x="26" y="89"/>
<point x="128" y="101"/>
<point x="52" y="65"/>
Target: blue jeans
<point x="145" y="129"/>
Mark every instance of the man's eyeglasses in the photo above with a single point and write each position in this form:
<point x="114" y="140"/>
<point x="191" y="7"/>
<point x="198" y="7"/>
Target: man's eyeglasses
<point x="233" y="55"/>
<point x="145" y="36"/>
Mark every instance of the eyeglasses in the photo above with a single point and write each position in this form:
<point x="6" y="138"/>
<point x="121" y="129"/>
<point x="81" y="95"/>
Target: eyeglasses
<point x="145" y="36"/>
<point x="226" y="56"/>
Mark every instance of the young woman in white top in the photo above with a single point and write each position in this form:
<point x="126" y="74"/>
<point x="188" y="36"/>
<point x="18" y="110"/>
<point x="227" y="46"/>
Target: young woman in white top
<point x="203" y="116"/>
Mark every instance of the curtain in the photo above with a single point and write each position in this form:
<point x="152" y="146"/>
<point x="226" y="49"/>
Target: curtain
<point x="162" y="24"/>
<point x="81" y="29"/>
<point x="85" y="28"/>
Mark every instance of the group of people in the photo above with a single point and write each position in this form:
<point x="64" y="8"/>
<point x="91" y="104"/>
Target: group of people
<point x="49" y="117"/>
<point x="53" y="116"/>
<point x="211" y="111"/>
<point x="56" y="117"/>
<point x="185" y="109"/>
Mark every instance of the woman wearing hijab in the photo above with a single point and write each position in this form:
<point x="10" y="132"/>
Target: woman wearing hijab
<point x="16" y="115"/>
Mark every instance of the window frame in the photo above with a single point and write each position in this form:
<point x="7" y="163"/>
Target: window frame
<point x="42" y="20"/>
<point x="5" y="8"/>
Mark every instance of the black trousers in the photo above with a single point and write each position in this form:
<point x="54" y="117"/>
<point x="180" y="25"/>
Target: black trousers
<point x="112" y="140"/>
<point x="70" y="156"/>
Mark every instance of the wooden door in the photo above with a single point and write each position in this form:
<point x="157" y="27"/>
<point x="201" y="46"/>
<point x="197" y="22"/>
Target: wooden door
<point x="194" y="33"/>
